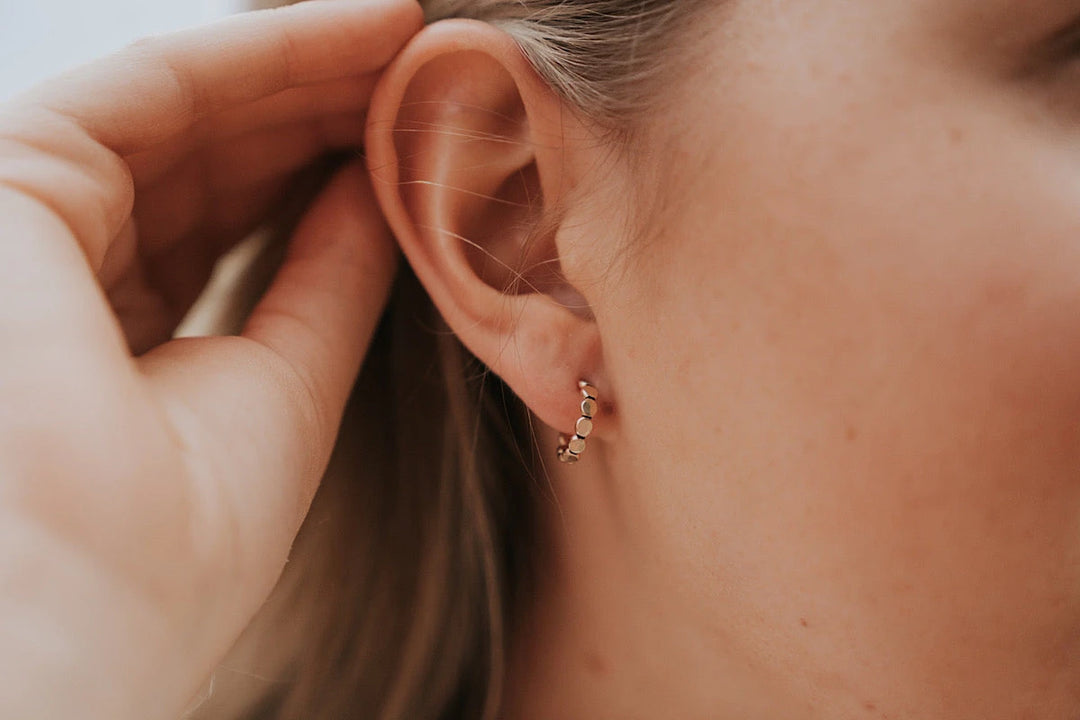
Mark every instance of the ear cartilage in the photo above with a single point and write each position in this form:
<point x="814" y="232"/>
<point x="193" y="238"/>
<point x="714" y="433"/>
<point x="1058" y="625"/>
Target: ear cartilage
<point x="570" y="449"/>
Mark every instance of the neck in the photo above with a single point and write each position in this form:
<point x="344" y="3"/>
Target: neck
<point x="604" y="636"/>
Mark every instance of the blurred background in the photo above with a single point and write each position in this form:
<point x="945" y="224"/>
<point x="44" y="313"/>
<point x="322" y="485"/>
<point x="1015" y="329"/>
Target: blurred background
<point x="39" y="38"/>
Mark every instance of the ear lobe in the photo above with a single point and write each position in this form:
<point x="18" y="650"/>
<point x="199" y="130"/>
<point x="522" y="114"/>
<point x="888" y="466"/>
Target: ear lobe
<point x="468" y="154"/>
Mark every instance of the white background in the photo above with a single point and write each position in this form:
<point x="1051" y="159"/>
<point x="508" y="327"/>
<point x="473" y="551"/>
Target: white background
<point x="39" y="38"/>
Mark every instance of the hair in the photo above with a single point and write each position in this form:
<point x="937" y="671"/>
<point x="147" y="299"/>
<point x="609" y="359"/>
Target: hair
<point x="402" y="589"/>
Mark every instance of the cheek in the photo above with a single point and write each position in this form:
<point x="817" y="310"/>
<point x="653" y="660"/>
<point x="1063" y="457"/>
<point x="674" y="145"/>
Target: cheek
<point x="858" y="378"/>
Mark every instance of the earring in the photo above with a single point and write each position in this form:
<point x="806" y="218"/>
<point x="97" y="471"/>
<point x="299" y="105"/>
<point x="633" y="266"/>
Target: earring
<point x="570" y="449"/>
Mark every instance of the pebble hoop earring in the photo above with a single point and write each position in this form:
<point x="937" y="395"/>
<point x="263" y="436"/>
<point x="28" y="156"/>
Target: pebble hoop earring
<point x="570" y="449"/>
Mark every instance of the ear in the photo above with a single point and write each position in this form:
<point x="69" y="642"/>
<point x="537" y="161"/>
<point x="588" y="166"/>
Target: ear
<point x="474" y="159"/>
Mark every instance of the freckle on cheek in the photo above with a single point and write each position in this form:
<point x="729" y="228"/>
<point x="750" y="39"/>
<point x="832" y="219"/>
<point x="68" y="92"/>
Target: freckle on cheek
<point x="595" y="663"/>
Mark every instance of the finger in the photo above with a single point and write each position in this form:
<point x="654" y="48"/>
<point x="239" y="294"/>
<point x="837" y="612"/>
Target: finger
<point x="154" y="295"/>
<point x="190" y="197"/>
<point x="261" y="411"/>
<point x="160" y="87"/>
<point x="307" y="104"/>
<point x="229" y="216"/>
<point x="339" y="97"/>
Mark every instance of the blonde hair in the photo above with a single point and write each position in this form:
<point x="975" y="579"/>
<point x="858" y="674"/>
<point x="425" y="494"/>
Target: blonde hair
<point x="400" y="594"/>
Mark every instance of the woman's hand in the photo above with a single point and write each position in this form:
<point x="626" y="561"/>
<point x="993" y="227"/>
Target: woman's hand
<point x="150" y="489"/>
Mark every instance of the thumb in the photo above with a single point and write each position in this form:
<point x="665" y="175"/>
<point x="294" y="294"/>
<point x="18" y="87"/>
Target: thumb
<point x="259" y="413"/>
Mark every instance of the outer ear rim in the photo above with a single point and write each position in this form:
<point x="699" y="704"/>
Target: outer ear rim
<point x="567" y="347"/>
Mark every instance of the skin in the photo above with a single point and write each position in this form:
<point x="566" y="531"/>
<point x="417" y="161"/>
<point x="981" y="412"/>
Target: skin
<point x="836" y="470"/>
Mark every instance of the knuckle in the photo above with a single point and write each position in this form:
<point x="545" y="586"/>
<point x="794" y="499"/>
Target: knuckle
<point x="47" y="159"/>
<point x="157" y="53"/>
<point x="290" y="57"/>
<point x="301" y="386"/>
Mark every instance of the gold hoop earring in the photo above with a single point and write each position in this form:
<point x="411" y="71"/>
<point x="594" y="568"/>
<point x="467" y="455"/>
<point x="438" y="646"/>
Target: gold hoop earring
<point x="570" y="449"/>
